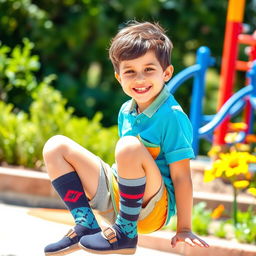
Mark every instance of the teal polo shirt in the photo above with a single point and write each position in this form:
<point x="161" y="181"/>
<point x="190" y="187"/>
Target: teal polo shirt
<point x="164" y="129"/>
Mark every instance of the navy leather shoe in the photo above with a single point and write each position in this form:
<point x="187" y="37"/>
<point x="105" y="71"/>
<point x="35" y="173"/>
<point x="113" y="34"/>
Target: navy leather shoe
<point x="69" y="243"/>
<point x="109" y="241"/>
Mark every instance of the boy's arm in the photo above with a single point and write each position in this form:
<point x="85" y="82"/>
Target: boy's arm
<point x="181" y="177"/>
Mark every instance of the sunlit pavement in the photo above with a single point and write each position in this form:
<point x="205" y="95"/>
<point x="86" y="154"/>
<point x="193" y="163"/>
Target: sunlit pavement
<point x="25" y="235"/>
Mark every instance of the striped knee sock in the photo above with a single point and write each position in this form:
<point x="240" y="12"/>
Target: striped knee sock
<point x="71" y="191"/>
<point x="131" y="195"/>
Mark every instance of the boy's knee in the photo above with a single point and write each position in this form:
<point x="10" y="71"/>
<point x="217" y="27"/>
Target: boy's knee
<point x="55" y="144"/>
<point x="128" y="148"/>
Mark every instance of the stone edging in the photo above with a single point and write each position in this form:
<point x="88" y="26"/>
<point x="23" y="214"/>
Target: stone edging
<point x="161" y="240"/>
<point x="27" y="188"/>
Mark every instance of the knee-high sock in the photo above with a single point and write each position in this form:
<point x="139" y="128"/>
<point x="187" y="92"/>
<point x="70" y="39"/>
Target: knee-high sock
<point x="70" y="189"/>
<point x="131" y="195"/>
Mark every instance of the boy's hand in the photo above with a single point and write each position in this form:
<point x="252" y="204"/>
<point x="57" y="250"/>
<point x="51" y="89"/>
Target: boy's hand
<point x="189" y="238"/>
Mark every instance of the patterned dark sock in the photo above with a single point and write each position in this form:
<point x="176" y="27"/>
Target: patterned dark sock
<point x="70" y="189"/>
<point x="131" y="195"/>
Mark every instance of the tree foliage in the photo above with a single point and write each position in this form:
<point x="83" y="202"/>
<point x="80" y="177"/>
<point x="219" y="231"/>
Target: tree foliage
<point x="72" y="37"/>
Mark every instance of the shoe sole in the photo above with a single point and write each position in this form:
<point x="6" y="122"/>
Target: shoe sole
<point x="127" y="251"/>
<point x="65" y="251"/>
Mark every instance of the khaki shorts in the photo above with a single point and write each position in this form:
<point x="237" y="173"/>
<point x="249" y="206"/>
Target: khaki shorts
<point x="106" y="203"/>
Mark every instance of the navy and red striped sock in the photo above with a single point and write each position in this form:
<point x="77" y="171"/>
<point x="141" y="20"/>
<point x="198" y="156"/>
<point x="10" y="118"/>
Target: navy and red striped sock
<point x="131" y="195"/>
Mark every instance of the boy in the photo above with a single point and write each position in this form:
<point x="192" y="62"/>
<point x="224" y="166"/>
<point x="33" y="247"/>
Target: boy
<point x="152" y="157"/>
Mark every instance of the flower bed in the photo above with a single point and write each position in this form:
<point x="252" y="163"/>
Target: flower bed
<point x="206" y="222"/>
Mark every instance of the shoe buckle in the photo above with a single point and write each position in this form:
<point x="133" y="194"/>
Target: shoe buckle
<point x="110" y="234"/>
<point x="71" y="233"/>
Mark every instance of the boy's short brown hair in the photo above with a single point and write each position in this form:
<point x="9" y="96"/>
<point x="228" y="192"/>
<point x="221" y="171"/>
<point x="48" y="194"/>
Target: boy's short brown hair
<point x="136" y="39"/>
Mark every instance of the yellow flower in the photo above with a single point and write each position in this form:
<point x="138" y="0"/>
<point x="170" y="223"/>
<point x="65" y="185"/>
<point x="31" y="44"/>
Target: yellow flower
<point x="219" y="172"/>
<point x="241" y="184"/>
<point x="236" y="157"/>
<point x="252" y="159"/>
<point x="230" y="165"/>
<point x="217" y="212"/>
<point x="252" y="191"/>
<point x="233" y="164"/>
<point x="242" y="147"/>
<point x="229" y="173"/>
<point x="215" y="150"/>
<point x="208" y="176"/>
<point x="237" y="127"/>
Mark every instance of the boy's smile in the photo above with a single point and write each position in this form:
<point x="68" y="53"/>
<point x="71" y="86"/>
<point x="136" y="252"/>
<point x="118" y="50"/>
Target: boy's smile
<point x="143" y="78"/>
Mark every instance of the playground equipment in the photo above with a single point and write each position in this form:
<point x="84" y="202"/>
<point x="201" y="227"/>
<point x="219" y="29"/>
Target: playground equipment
<point x="204" y="125"/>
<point x="233" y="39"/>
<point x="214" y="128"/>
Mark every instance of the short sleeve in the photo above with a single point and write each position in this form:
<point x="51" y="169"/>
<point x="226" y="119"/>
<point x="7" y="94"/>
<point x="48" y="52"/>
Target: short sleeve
<point x="120" y="119"/>
<point x="177" y="137"/>
<point x="120" y="123"/>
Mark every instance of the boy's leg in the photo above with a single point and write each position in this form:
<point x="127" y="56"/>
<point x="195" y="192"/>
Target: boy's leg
<point x="139" y="179"/>
<point x="74" y="172"/>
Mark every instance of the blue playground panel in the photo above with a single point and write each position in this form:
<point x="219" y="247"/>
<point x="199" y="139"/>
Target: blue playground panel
<point x="204" y="125"/>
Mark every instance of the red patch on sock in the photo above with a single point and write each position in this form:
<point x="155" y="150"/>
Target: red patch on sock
<point x="72" y="196"/>
<point x="129" y="196"/>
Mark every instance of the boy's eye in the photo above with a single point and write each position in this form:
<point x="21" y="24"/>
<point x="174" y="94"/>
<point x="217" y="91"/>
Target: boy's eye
<point x="129" y="71"/>
<point x="149" y="69"/>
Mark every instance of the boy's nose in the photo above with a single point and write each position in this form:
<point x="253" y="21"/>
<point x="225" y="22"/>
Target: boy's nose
<point x="140" y="79"/>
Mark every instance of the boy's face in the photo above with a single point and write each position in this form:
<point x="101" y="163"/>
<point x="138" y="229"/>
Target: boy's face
<point x="143" y="78"/>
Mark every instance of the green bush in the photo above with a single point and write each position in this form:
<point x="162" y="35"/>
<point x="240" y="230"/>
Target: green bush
<point x="203" y="224"/>
<point x="17" y="73"/>
<point x="201" y="218"/>
<point x="246" y="228"/>
<point x="221" y="232"/>
<point x="23" y="135"/>
<point x="9" y="128"/>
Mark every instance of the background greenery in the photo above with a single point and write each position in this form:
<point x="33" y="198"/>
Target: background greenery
<point x="23" y="134"/>
<point x="71" y="38"/>
<point x="204" y="224"/>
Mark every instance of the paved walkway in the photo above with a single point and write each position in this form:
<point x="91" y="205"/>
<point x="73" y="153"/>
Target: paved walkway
<point x="25" y="235"/>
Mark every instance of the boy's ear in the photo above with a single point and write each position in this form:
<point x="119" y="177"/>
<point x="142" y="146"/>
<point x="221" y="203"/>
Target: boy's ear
<point x="168" y="73"/>
<point x="118" y="78"/>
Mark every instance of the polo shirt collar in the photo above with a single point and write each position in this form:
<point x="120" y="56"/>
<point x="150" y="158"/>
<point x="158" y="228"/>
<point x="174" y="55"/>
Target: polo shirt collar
<point x="154" y="106"/>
